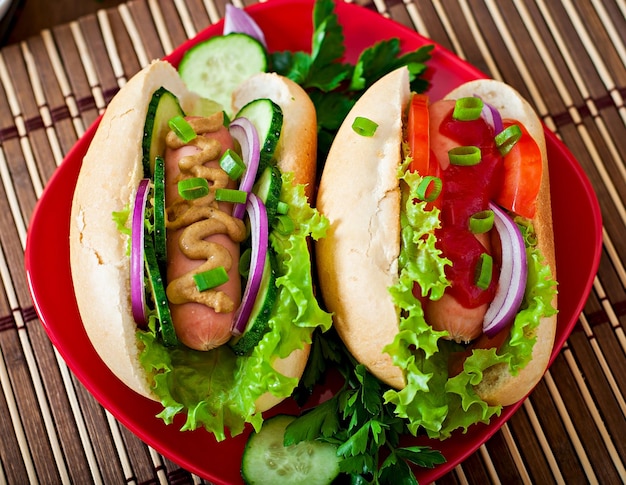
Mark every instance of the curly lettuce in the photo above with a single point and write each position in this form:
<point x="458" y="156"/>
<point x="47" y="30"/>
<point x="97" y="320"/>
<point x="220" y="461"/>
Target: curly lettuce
<point x="217" y="389"/>
<point x="433" y="401"/>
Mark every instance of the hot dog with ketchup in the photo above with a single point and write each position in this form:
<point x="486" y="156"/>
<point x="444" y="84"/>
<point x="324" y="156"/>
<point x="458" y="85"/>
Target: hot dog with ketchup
<point x="439" y="261"/>
<point x="189" y="246"/>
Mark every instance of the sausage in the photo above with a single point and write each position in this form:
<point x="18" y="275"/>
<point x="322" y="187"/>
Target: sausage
<point x="463" y="324"/>
<point x="203" y="238"/>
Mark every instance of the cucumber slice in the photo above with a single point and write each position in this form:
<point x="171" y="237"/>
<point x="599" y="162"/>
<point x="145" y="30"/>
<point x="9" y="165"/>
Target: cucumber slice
<point x="215" y="67"/>
<point x="160" y="244"/>
<point x="267" y="461"/>
<point x="267" y="188"/>
<point x="162" y="108"/>
<point x="258" y="323"/>
<point x="157" y="290"/>
<point x="267" y="118"/>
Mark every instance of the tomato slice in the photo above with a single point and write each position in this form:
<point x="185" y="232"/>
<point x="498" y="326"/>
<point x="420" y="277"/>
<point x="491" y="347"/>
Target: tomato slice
<point x="417" y="134"/>
<point x="523" y="169"/>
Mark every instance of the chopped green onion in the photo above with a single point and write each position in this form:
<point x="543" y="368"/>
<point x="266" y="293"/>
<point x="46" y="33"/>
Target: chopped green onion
<point x="464" y="156"/>
<point x="193" y="188"/>
<point x="232" y="164"/>
<point x="467" y="109"/>
<point x="484" y="271"/>
<point x="282" y="207"/>
<point x="182" y="128"/>
<point x="231" y="195"/>
<point x="284" y="225"/>
<point x="244" y="262"/>
<point x="211" y="278"/>
<point x="507" y="138"/>
<point x="429" y="188"/>
<point x="481" y="222"/>
<point x="364" y="126"/>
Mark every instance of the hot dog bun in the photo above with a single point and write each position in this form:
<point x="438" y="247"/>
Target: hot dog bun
<point x="109" y="176"/>
<point x="358" y="260"/>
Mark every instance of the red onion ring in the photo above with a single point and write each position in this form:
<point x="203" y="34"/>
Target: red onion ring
<point x="513" y="274"/>
<point x="259" y="234"/>
<point x="137" y="292"/>
<point x="243" y="130"/>
<point x="492" y="117"/>
<point x="237" y="20"/>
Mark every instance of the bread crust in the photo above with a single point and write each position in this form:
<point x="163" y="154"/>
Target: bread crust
<point x="108" y="179"/>
<point x="360" y="195"/>
<point x="357" y="261"/>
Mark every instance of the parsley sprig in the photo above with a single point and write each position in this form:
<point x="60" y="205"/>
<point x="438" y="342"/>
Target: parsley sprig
<point x="357" y="420"/>
<point x="335" y="85"/>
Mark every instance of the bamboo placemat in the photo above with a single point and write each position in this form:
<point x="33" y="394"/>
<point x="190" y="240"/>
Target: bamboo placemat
<point x="567" y="57"/>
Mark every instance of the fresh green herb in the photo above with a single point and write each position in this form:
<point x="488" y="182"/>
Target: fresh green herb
<point x="182" y="128"/>
<point x="467" y="109"/>
<point x="357" y="420"/>
<point x="335" y="85"/>
<point x="231" y="195"/>
<point x="193" y="188"/>
<point x="210" y="279"/>
<point x="364" y="126"/>
<point x="507" y="138"/>
<point x="465" y="156"/>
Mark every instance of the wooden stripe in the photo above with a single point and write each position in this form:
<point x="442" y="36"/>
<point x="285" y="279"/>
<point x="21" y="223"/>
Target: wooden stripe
<point x="212" y="11"/>
<point x="134" y="35"/>
<point x="42" y="403"/>
<point x="119" y="445"/>
<point x="186" y="18"/>
<point x="63" y="83"/>
<point x="491" y="471"/>
<point x="607" y="371"/>
<point x="515" y="452"/>
<point x="20" y="455"/>
<point x="543" y="442"/>
<point x="111" y="47"/>
<point x="91" y="470"/>
<point x="571" y="430"/>
<point x="161" y="27"/>
<point x="597" y="419"/>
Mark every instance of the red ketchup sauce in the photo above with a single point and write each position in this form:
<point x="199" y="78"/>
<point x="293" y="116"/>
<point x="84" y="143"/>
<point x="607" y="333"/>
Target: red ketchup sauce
<point x="466" y="191"/>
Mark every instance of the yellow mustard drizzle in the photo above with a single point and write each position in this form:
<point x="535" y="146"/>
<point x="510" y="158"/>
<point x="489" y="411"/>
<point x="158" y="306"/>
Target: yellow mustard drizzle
<point x="201" y="218"/>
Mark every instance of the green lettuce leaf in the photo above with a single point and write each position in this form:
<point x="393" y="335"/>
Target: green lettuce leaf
<point x="432" y="401"/>
<point x="217" y="390"/>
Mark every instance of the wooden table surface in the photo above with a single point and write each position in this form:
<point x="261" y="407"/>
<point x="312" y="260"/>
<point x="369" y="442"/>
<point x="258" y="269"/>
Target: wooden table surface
<point x="37" y="15"/>
<point x="61" y="65"/>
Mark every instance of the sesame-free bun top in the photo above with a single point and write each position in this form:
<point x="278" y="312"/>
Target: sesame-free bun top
<point x="359" y="193"/>
<point x="358" y="260"/>
<point x="107" y="183"/>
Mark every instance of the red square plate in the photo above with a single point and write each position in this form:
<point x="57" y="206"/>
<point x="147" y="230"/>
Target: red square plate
<point x="288" y="26"/>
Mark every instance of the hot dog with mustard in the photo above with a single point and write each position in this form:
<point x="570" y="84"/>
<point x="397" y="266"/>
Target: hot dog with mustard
<point x="189" y="245"/>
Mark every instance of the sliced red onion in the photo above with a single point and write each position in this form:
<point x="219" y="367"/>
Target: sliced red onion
<point x="137" y="292"/>
<point x="259" y="234"/>
<point x="237" y="20"/>
<point x="492" y="117"/>
<point x="242" y="130"/>
<point x="513" y="274"/>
